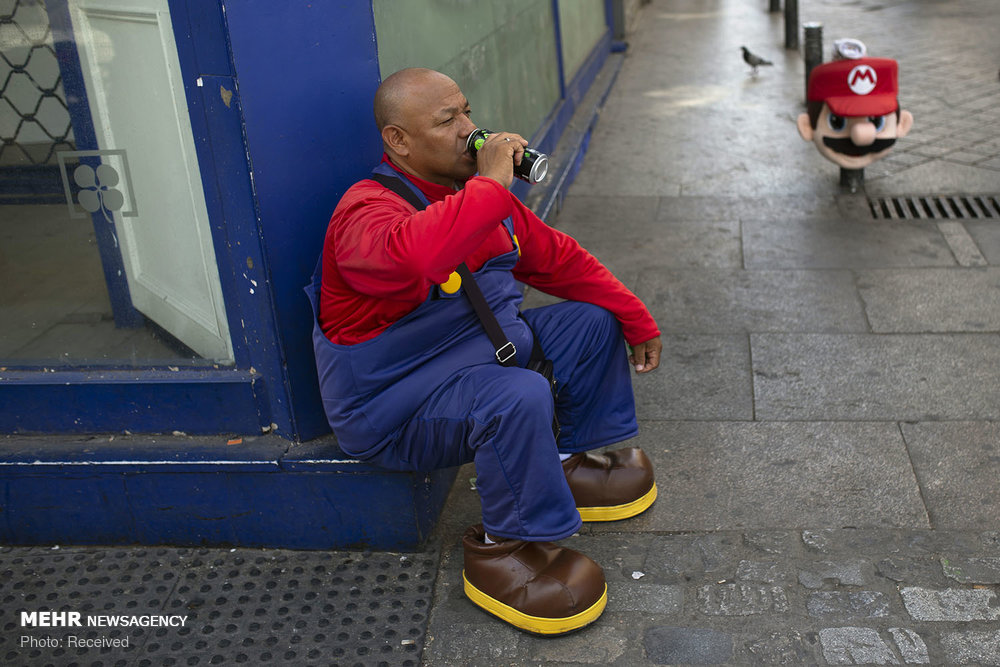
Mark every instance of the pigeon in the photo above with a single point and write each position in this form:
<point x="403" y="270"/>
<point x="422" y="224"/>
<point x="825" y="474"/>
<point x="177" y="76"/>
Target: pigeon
<point x="753" y="60"/>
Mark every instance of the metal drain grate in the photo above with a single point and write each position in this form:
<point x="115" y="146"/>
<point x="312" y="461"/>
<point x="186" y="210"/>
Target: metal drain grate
<point x="242" y="606"/>
<point x="948" y="207"/>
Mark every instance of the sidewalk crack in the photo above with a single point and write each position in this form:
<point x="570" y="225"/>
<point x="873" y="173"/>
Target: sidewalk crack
<point x="916" y="477"/>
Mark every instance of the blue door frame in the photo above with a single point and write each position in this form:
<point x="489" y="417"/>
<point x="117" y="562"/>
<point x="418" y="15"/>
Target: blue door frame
<point x="309" y="137"/>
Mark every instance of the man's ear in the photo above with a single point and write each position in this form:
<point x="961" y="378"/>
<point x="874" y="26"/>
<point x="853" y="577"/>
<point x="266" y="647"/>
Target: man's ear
<point x="805" y="129"/>
<point x="904" y="124"/>
<point x="395" y="138"/>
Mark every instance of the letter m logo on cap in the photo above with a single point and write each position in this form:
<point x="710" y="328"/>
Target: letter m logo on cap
<point x="862" y="79"/>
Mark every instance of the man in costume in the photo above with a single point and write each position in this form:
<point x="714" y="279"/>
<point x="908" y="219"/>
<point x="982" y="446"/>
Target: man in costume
<point x="411" y="381"/>
<point x="853" y="114"/>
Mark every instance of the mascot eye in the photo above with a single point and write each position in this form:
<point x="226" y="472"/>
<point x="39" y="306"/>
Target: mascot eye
<point x="878" y="122"/>
<point x="837" y="123"/>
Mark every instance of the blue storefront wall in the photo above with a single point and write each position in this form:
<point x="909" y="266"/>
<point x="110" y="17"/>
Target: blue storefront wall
<point x="306" y="74"/>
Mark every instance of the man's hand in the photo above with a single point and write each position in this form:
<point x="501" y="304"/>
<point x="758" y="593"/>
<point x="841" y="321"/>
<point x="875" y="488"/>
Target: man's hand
<point x="646" y="356"/>
<point x="500" y="152"/>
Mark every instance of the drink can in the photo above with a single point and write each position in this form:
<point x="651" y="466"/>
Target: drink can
<point x="534" y="164"/>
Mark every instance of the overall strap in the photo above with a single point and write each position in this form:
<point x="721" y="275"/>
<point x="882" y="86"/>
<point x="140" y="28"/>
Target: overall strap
<point x="504" y="350"/>
<point x="396" y="184"/>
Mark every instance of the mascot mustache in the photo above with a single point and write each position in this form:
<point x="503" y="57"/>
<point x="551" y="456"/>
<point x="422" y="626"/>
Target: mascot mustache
<point x="847" y="147"/>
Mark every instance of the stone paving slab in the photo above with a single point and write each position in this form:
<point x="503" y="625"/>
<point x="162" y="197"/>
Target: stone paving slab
<point x="753" y="301"/>
<point x="938" y="176"/>
<point x="962" y="245"/>
<point x="958" y="465"/>
<point x="683" y="244"/>
<point x="695" y="207"/>
<point x="920" y="377"/>
<point x="700" y="377"/>
<point x="986" y="234"/>
<point x="782" y="243"/>
<point x="931" y="300"/>
<point x="672" y="165"/>
<point x="590" y="219"/>
<point x="731" y="475"/>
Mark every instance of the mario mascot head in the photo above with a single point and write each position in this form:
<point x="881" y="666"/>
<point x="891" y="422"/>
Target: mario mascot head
<point x="853" y="114"/>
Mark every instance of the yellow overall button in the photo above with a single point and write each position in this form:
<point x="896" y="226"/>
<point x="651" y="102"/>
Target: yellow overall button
<point x="453" y="284"/>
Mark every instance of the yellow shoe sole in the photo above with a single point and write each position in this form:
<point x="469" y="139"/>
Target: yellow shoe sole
<point x="618" y="512"/>
<point x="535" y="624"/>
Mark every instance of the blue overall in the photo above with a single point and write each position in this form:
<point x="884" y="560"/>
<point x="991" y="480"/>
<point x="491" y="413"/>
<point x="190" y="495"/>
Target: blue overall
<point x="428" y="393"/>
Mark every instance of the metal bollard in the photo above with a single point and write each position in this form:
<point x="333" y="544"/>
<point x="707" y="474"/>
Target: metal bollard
<point x="791" y="24"/>
<point x="813" y="48"/>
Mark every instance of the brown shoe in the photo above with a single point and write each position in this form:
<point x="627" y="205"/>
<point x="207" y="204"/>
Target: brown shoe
<point x="538" y="587"/>
<point x="611" y="486"/>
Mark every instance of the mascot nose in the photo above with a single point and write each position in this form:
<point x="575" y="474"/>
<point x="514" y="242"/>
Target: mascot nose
<point x="863" y="133"/>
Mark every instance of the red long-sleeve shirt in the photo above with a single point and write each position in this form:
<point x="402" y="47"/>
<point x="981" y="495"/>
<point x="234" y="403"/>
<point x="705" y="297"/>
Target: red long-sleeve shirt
<point x="381" y="257"/>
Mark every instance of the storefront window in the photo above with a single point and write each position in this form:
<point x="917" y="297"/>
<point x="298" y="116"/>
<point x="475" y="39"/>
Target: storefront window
<point x="106" y="254"/>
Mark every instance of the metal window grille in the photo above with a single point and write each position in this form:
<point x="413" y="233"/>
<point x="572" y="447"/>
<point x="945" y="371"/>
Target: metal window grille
<point x="34" y="117"/>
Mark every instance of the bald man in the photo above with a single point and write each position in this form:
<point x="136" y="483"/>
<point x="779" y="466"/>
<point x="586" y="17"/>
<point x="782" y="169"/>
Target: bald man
<point x="411" y="381"/>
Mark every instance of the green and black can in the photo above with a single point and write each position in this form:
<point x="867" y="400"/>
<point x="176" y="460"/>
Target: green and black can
<point x="534" y="165"/>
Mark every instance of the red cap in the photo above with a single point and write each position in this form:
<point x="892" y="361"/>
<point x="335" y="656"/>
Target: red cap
<point x="861" y="87"/>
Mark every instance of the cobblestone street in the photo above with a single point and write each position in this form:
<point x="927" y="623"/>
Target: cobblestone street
<point x="830" y="596"/>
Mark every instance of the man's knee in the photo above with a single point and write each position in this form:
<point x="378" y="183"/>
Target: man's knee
<point x="530" y="391"/>
<point x="518" y="392"/>
<point x="600" y="319"/>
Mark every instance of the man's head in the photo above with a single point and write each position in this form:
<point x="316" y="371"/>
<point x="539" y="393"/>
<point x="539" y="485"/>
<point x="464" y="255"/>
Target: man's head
<point x="853" y="114"/>
<point x="424" y="121"/>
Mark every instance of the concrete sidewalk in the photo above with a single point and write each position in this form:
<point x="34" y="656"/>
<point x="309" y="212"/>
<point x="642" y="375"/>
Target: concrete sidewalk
<point x="824" y="421"/>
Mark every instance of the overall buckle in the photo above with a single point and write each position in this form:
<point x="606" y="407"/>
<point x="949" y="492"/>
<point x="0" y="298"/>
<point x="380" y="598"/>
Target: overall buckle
<point x="503" y="356"/>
